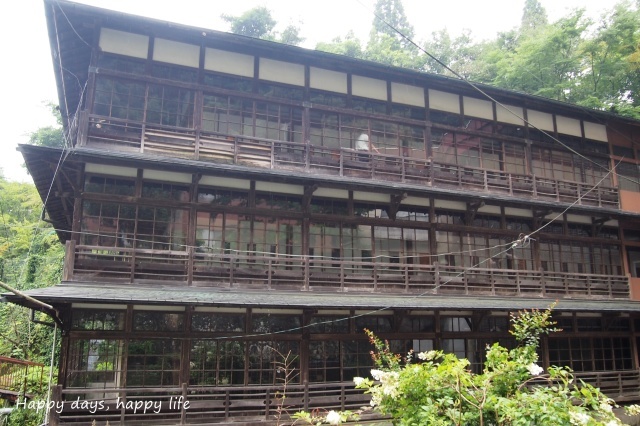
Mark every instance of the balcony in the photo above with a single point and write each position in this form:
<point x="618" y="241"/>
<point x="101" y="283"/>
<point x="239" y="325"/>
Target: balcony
<point x="119" y="135"/>
<point x="304" y="273"/>
<point x="252" y="404"/>
<point x="16" y="374"/>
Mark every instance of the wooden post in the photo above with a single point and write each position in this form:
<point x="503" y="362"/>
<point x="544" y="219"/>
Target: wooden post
<point x="56" y="396"/>
<point x="69" y="260"/>
<point x="183" y="411"/>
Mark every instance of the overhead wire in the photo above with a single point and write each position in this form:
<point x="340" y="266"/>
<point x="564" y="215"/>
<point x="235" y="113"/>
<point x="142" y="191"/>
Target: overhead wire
<point x="484" y="93"/>
<point x="520" y="242"/>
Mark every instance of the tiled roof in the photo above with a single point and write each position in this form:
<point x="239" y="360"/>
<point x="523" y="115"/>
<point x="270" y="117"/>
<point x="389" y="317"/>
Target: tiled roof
<point x="109" y="293"/>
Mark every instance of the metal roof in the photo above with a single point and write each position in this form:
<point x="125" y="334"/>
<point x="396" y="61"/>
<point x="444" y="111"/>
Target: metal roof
<point x="105" y="293"/>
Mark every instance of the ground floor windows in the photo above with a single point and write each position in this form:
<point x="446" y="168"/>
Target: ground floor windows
<point x="241" y="347"/>
<point x="217" y="362"/>
<point x="95" y="363"/>
<point x="153" y="362"/>
<point x="592" y="353"/>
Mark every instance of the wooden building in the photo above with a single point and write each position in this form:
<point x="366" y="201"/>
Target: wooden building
<point x="220" y="210"/>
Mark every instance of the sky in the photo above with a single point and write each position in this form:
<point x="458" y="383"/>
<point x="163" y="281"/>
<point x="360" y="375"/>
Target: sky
<point x="28" y="71"/>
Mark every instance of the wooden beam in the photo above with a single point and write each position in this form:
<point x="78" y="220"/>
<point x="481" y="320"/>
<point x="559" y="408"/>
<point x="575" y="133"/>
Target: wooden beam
<point x="472" y="210"/>
<point x="394" y="204"/>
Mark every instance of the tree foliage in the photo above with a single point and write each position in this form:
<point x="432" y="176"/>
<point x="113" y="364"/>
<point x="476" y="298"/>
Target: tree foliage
<point x="30" y="257"/>
<point x="437" y="388"/>
<point x="592" y="63"/>
<point x="51" y="136"/>
<point x="259" y="23"/>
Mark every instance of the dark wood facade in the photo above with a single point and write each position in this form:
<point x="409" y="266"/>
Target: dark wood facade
<point x="219" y="213"/>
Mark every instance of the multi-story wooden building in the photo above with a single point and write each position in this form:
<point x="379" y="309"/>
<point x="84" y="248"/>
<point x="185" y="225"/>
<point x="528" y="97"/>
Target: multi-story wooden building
<point x="221" y="210"/>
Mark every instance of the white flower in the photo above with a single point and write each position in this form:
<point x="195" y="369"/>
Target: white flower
<point x="427" y="356"/>
<point x="578" y="419"/>
<point x="334" y="418"/>
<point x="534" y="369"/>
<point x="605" y="406"/>
<point x="358" y="380"/>
<point x="613" y="423"/>
<point x="376" y="374"/>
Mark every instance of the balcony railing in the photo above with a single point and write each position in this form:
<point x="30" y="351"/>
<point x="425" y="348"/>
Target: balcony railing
<point x="247" y="404"/>
<point x="281" y="155"/>
<point x="305" y="273"/>
<point x="15" y="375"/>
<point x="206" y="404"/>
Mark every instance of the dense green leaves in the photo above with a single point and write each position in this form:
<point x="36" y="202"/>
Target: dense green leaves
<point x="50" y="135"/>
<point x="30" y="256"/>
<point x="593" y="63"/>
<point x="437" y="388"/>
<point x="259" y="23"/>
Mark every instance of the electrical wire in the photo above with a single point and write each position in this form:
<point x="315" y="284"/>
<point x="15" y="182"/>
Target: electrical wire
<point x="521" y="242"/>
<point x="485" y="94"/>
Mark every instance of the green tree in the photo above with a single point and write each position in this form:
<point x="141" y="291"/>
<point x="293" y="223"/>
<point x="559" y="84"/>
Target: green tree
<point x="534" y="16"/>
<point x="609" y="78"/>
<point x="390" y="34"/>
<point x="350" y="46"/>
<point x="51" y="136"/>
<point x="546" y="63"/>
<point x="439" y="389"/>
<point x="259" y="23"/>
<point x="256" y="22"/>
<point x="459" y="54"/>
<point x="30" y="256"/>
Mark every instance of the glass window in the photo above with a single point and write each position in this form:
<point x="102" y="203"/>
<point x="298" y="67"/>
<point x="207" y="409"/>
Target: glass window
<point x="223" y="197"/>
<point x="267" y="361"/>
<point x="328" y="98"/>
<point x="329" y="324"/>
<point x="229" y="82"/>
<point x="446" y="118"/>
<point x="173" y="72"/>
<point x="109" y="185"/>
<point x="325" y="129"/>
<point x="157" y="321"/>
<point x="217" y="362"/>
<point x="119" y="99"/>
<point x="154" y="363"/>
<point x="628" y="176"/>
<point x="369" y="105"/>
<point x="407" y="111"/>
<point x="161" y="228"/>
<point x="278" y="122"/>
<point x="417" y="325"/>
<point x="95" y="319"/>
<point x="170" y="106"/>
<point x="267" y="323"/>
<point x="121" y="63"/>
<point x="377" y="324"/>
<point x="269" y="200"/>
<point x="165" y="191"/>
<point x="217" y="322"/>
<point x="108" y="224"/>
<point x="272" y="90"/>
<point x="95" y="363"/>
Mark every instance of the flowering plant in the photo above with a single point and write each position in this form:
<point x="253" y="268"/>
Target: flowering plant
<point x="513" y="389"/>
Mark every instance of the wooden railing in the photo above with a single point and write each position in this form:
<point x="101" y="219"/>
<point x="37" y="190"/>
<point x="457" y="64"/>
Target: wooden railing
<point x="621" y="386"/>
<point x="251" y="404"/>
<point x="281" y="155"/>
<point x="232" y="270"/>
<point x="243" y="404"/>
<point x="14" y="374"/>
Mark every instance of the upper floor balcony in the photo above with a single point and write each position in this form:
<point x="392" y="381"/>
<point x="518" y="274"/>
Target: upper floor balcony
<point x="308" y="273"/>
<point x="403" y="167"/>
